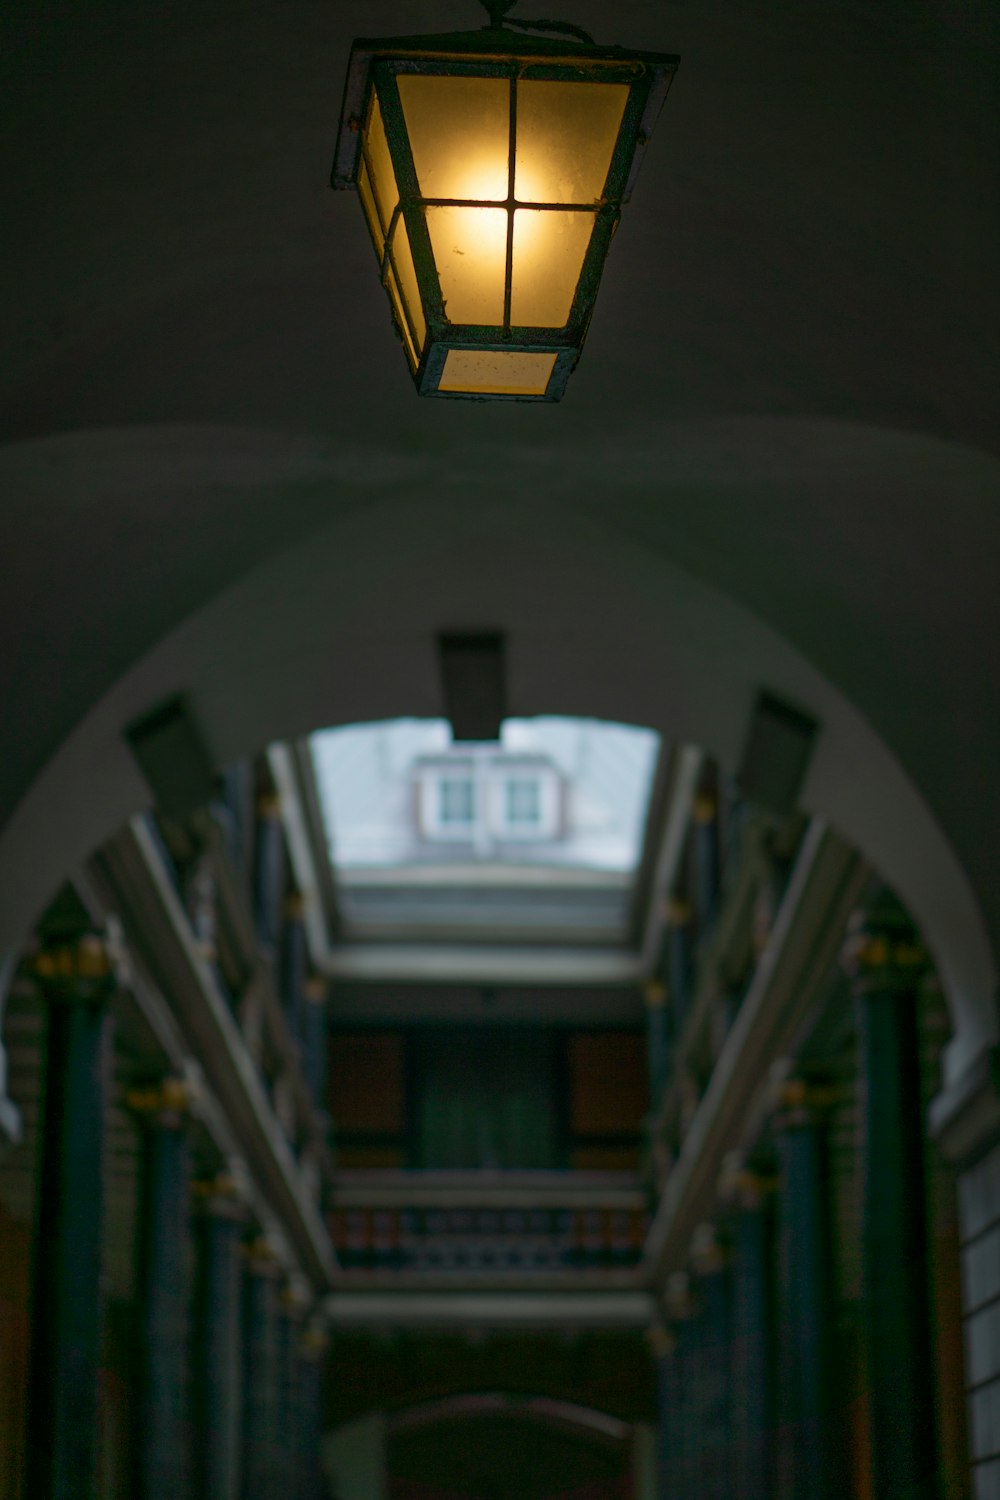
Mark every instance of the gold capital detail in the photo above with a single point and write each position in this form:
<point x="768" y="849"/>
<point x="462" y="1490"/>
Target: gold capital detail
<point x="704" y="808"/>
<point x="81" y="967"/>
<point x="654" y="993"/>
<point x="170" y="1100"/>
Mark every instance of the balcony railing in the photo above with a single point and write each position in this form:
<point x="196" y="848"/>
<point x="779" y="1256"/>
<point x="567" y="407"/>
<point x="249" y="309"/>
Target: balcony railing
<point x="479" y="1224"/>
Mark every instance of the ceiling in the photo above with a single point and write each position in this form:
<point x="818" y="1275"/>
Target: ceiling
<point x="778" y="463"/>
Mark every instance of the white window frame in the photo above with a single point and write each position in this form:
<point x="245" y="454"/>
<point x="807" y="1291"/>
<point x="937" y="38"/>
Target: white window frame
<point x="431" y="789"/>
<point x="547" y="826"/>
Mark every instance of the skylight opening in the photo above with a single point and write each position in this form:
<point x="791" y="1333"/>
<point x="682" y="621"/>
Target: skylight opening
<point x="568" y="796"/>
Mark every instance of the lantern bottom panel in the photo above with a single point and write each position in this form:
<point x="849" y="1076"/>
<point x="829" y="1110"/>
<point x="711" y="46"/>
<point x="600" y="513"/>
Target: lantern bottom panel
<point x="491" y="374"/>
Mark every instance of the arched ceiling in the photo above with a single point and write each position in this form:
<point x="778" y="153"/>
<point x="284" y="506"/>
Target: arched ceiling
<point x="777" y="462"/>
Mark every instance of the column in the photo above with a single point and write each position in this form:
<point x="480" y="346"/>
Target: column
<point x="312" y="1354"/>
<point x="314" y="1037"/>
<point x="162" y="1453"/>
<point x="684" y="1437"/>
<point x="710" y="1261"/>
<point x="754" y="1318"/>
<point x="886" y="961"/>
<point x="663" y="1342"/>
<point x="705" y="820"/>
<point x="293" y="962"/>
<point x="288" y="1448"/>
<point x="74" y="974"/>
<point x="217" y="1393"/>
<point x="238" y="800"/>
<point x="809" y="1457"/>
<point x="269" y="870"/>
<point x="680" y="959"/>
<point x="260" y="1373"/>
<point x="654" y="995"/>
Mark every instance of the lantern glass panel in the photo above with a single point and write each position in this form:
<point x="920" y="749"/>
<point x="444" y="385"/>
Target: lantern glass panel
<point x="549" y="249"/>
<point x="371" y="212"/>
<point x="566" y="136"/>
<point x="459" y="130"/>
<point x="470" y="252"/>
<point x="397" y="303"/>
<point x="497" y="372"/>
<point x="380" y="170"/>
<point x="402" y="259"/>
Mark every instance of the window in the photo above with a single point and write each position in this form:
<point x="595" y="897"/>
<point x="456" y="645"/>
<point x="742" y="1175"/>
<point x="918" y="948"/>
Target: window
<point x="456" y="802"/>
<point x="523" y="802"/>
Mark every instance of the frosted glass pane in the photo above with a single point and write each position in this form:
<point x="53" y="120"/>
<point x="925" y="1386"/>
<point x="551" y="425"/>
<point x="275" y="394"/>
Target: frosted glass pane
<point x="549" y="247"/>
<point x="383" y="178"/>
<point x="497" y="372"/>
<point x="403" y="260"/>
<point x="459" y="131"/>
<point x="397" y="302"/>
<point x="470" y="252"/>
<point x="368" y="204"/>
<point x="566" y="134"/>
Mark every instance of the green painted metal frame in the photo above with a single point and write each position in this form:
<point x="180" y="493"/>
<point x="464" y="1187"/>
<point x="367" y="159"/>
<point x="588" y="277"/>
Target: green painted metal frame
<point x="495" y="53"/>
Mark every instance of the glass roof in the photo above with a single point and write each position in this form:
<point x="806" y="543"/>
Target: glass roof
<point x="538" y="836"/>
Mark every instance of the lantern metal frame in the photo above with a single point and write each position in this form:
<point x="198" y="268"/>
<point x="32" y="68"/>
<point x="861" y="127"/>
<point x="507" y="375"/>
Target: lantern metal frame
<point x="495" y="52"/>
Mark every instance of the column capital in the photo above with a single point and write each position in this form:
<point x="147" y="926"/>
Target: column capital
<point x="262" y="1257"/>
<point x="269" y="807"/>
<point x="679" y="1299"/>
<point x="295" y="1297"/>
<point x="883" y="951"/>
<point x="316" y="988"/>
<point x="741" y="1186"/>
<point x="314" y="1340"/>
<point x="798" y="1102"/>
<point x="654" y="994"/>
<point x="167" y="1103"/>
<point x="219" y="1197"/>
<point x="709" y="1254"/>
<point x="294" y="906"/>
<point x="661" y="1338"/>
<point x="75" y="967"/>
<point x="704" y="808"/>
<point x="677" y="911"/>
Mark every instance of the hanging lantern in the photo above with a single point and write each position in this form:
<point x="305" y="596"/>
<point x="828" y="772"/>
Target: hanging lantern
<point x="492" y="168"/>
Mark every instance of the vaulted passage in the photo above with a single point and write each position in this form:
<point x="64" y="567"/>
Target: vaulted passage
<point x="498" y="923"/>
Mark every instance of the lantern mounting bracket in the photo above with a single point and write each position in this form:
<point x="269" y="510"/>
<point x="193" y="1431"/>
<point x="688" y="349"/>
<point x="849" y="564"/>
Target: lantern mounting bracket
<point x="497" y="10"/>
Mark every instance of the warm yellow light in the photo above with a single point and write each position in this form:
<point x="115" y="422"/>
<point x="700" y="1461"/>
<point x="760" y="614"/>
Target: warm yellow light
<point x="492" y="179"/>
<point x="496" y="372"/>
<point x="549" y="250"/>
<point x="470" y="252"/>
<point x="566" y="134"/>
<point x="459" y="131"/>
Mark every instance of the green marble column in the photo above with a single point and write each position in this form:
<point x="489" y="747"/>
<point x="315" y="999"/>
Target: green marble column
<point x="886" y="961"/>
<point x="74" y="975"/>
<point x="289" y="1393"/>
<point x="684" y="1436"/>
<point x="654" y="995"/>
<point x="162" y="1448"/>
<point x="293" y="962"/>
<point x="753" y="1354"/>
<point x="710" y="1260"/>
<point x="260" y="1375"/>
<point x="680" y="959"/>
<point x="705" y="832"/>
<point x="810" y="1456"/>
<point x="314" y="1037"/>
<point x="217" y="1366"/>
<point x="269" y="871"/>
<point x="313" y="1345"/>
